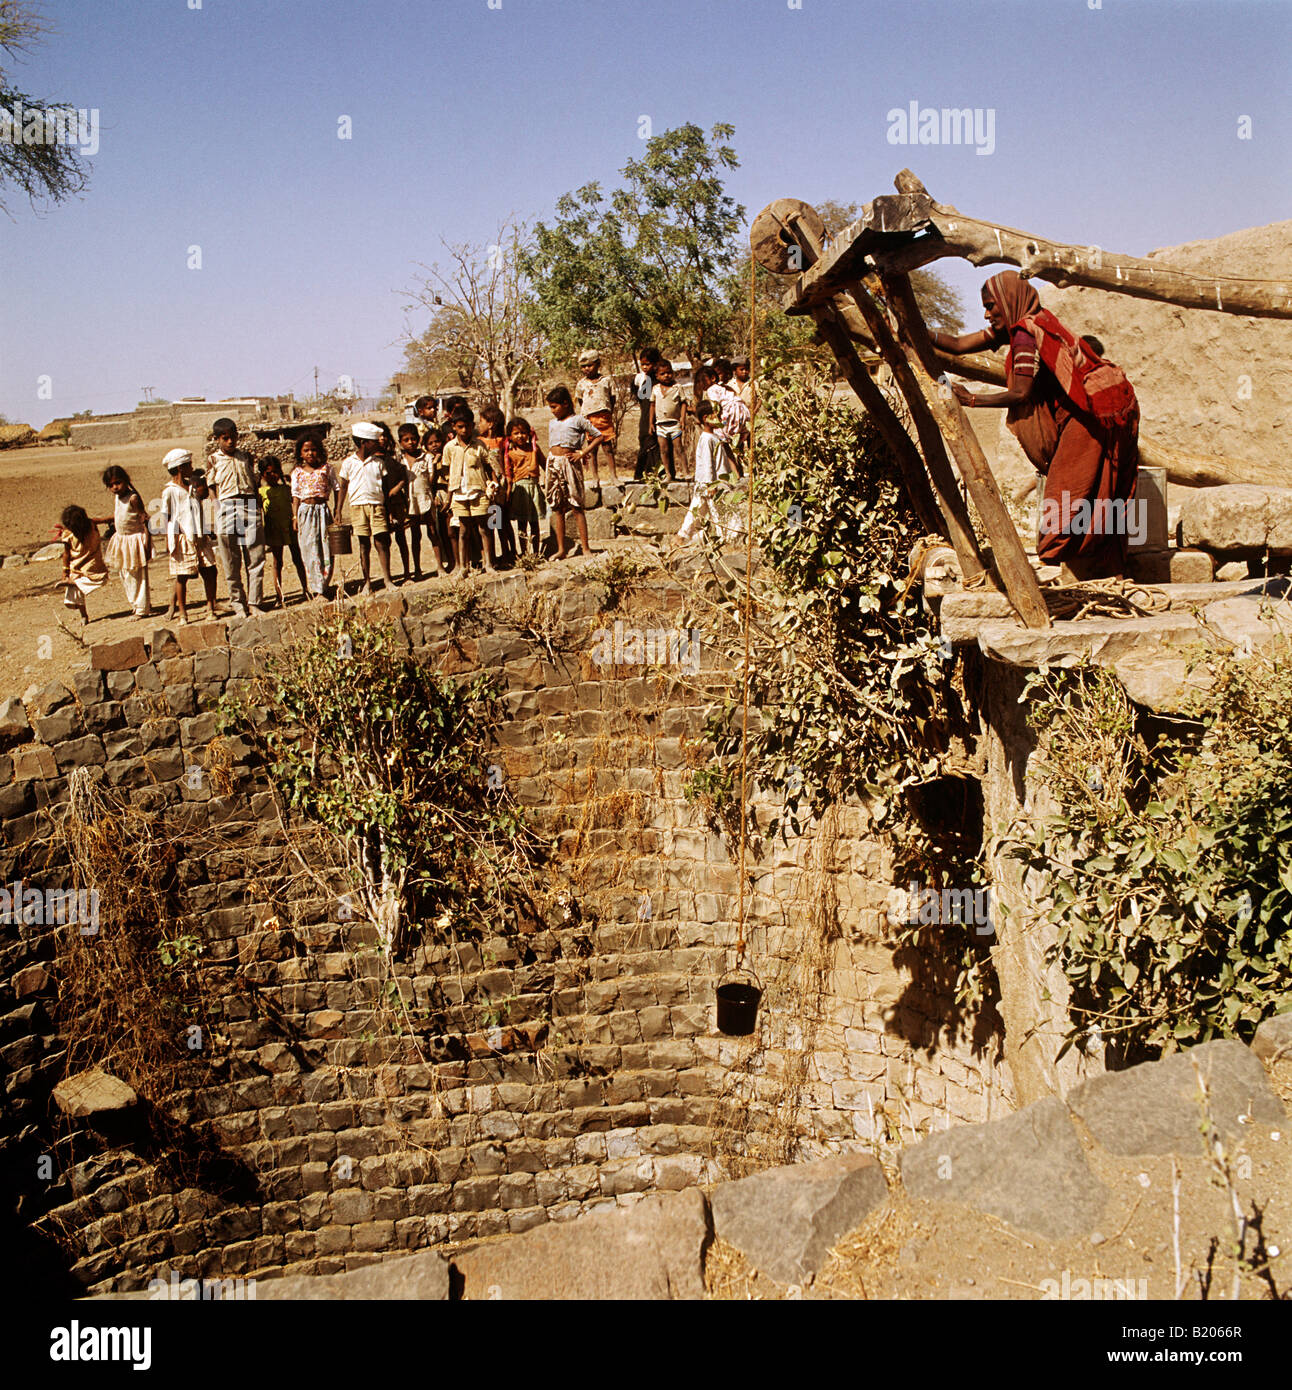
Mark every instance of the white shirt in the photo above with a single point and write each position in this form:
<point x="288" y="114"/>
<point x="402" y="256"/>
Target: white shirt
<point x="644" y="384"/>
<point x="710" y="459"/>
<point x="364" y="479"/>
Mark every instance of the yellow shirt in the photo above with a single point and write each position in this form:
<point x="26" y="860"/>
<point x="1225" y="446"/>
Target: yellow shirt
<point x="469" y="468"/>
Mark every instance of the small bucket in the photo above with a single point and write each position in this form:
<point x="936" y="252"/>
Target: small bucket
<point x="338" y="539"/>
<point x="738" y="1004"/>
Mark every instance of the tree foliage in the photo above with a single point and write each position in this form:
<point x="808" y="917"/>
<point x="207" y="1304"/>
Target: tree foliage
<point x="41" y="171"/>
<point x="647" y="263"/>
<point x="482" y="323"/>
<point x="1168" y="871"/>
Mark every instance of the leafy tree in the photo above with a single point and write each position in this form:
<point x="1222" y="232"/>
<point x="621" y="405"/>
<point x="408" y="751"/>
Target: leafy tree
<point x="482" y="314"/>
<point x="53" y="171"/>
<point x="442" y="357"/>
<point x="648" y="262"/>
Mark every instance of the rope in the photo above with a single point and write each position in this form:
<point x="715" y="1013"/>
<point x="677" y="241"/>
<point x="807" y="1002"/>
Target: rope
<point x="749" y="567"/>
<point x="1115" y="597"/>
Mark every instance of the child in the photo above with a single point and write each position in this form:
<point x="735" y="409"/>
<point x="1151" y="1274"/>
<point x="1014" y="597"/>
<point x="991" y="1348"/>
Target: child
<point x="711" y="461"/>
<point x="205" y="539"/>
<point x="668" y="414"/>
<point x="181" y="519"/>
<point x="394" y="488"/>
<point x="442" y="514"/>
<point x="469" y="477"/>
<point x="239" y="527"/>
<point x="594" y="399"/>
<point x="523" y="469"/>
<point x="566" y="432"/>
<point x="280" y="531"/>
<point x="361" y="482"/>
<point x="312" y="489"/>
<point x="83" y="566"/>
<point x="732" y="421"/>
<point x="131" y="547"/>
<point x="425" y="408"/>
<point x="493" y="435"/>
<point x="742" y="385"/>
<point x="421" y="503"/>
<point x="643" y="388"/>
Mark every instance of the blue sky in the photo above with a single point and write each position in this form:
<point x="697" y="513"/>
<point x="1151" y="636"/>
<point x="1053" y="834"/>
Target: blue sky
<point x="1115" y="125"/>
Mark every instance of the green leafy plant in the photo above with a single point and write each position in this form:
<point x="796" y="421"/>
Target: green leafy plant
<point x="394" y="761"/>
<point x="1167" y="872"/>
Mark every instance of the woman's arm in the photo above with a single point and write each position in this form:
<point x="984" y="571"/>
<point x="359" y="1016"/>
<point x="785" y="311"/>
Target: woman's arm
<point x="969" y="342"/>
<point x="1016" y="395"/>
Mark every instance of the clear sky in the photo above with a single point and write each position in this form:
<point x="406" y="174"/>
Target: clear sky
<point x="1116" y="125"/>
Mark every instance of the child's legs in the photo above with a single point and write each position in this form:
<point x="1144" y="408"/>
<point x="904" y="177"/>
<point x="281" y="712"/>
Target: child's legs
<point x="294" y="545"/>
<point x="209" y="574"/>
<point x="415" y="540"/>
<point x="382" y="542"/>
<point x="400" y="540"/>
<point x="582" y="523"/>
<point x="666" y="453"/>
<point x="276" y="555"/>
<point x="365" y="557"/>
<point x="558" y="526"/>
<point x="181" y="584"/>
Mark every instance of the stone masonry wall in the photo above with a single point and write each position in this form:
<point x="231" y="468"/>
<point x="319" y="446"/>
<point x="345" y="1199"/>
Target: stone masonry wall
<point x="573" y="1067"/>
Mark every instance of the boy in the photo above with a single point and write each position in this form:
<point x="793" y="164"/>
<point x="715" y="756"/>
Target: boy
<point x="570" y="438"/>
<point x="742" y="385"/>
<point x="711" y="460"/>
<point x="469" y="479"/>
<point x="667" y="415"/>
<point x="188" y="549"/>
<point x="425" y="409"/>
<point x="361" y="481"/>
<point x="239" y="530"/>
<point x="643" y="387"/>
<point x="594" y="399"/>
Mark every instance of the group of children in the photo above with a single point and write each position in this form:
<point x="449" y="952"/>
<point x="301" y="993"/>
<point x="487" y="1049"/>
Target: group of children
<point x="478" y="491"/>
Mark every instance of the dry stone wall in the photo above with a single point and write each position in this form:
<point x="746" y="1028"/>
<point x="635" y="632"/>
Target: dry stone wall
<point x="571" y="1067"/>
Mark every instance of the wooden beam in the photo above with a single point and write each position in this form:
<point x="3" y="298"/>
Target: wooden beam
<point x="951" y="523"/>
<point x="1012" y="564"/>
<point x="903" y="231"/>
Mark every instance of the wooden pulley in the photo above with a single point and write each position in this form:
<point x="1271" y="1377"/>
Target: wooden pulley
<point x="776" y="242"/>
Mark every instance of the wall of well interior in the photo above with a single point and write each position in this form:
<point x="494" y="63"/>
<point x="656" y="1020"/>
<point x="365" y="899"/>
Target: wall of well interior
<point x="570" y="1067"/>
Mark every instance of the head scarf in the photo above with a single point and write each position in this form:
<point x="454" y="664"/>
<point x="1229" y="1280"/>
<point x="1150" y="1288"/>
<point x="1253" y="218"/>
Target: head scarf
<point x="1014" y="297"/>
<point x="365" y="429"/>
<point x="176" y="459"/>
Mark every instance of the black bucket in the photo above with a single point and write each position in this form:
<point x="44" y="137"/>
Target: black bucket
<point x="738" y="1006"/>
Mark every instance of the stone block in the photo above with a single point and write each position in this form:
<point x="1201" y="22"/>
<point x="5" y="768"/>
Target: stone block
<point x="423" y="1277"/>
<point x="1273" y="1040"/>
<point x="653" y="1250"/>
<point x="1238" y="517"/>
<point x="124" y="655"/>
<point x="63" y="724"/>
<point x="1157" y="1107"/>
<point x="93" y="1092"/>
<point x="30" y="763"/>
<point x="201" y="636"/>
<point x="1194" y="567"/>
<point x="1027" y="1169"/>
<point x="13" y="721"/>
<point x="79" y="752"/>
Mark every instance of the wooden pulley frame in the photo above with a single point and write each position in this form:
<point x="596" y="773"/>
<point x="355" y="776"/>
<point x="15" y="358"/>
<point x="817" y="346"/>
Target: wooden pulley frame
<point x="776" y="233"/>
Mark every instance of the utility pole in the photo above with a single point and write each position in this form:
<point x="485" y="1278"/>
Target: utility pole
<point x="316" y="384"/>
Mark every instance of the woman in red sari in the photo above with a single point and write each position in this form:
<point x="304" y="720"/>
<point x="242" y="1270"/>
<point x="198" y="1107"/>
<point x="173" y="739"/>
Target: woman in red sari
<point x="1085" y="462"/>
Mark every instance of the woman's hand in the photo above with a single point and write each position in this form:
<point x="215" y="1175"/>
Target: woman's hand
<point x="963" y="394"/>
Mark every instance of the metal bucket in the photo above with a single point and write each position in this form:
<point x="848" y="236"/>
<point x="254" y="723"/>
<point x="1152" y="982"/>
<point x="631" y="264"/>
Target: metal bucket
<point x="738" y="1004"/>
<point x="339" y="540"/>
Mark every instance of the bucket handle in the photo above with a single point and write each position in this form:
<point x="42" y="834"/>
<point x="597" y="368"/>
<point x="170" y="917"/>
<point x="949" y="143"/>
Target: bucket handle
<point x="741" y="970"/>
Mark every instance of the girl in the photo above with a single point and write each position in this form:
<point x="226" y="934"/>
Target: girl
<point x="421" y="504"/>
<point x="280" y="531"/>
<point x="570" y="439"/>
<point x="493" y="435"/>
<point x="83" y="566"/>
<point x="668" y="412"/>
<point x="312" y="489"/>
<point x="131" y="547"/>
<point x="523" y="469"/>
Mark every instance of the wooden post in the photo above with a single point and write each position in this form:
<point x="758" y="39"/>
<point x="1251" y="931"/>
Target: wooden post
<point x="832" y="318"/>
<point x="1012" y="564"/>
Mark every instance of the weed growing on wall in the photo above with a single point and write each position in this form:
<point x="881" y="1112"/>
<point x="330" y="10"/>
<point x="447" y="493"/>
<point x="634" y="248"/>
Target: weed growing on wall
<point x="395" y="762"/>
<point x="1168" y="871"/>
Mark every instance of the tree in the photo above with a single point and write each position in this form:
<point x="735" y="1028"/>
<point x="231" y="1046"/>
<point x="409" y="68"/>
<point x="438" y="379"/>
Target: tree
<point x="443" y="356"/>
<point x="648" y="263"/>
<point x="35" y="154"/>
<point x="482" y="305"/>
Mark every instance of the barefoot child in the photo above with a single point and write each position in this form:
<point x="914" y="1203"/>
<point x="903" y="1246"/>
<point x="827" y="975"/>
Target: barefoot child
<point x="312" y="489"/>
<point x="668" y="412"/>
<point x="594" y="398"/>
<point x="469" y="477"/>
<point x="130" y="548"/>
<point x="417" y="466"/>
<point x="361" y="482"/>
<point x="280" y="531"/>
<point x="83" y="566"/>
<point x="180" y="521"/>
<point x="493" y="435"/>
<point x="570" y="438"/>
<point x="711" y="461"/>
<point x="523" y="469"/>
<point x="207" y="568"/>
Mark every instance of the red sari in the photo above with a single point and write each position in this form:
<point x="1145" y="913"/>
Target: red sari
<point x="1082" y="460"/>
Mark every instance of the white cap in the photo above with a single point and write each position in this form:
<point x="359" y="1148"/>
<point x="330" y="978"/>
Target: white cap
<point x="365" y="430"/>
<point x="176" y="460"/>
